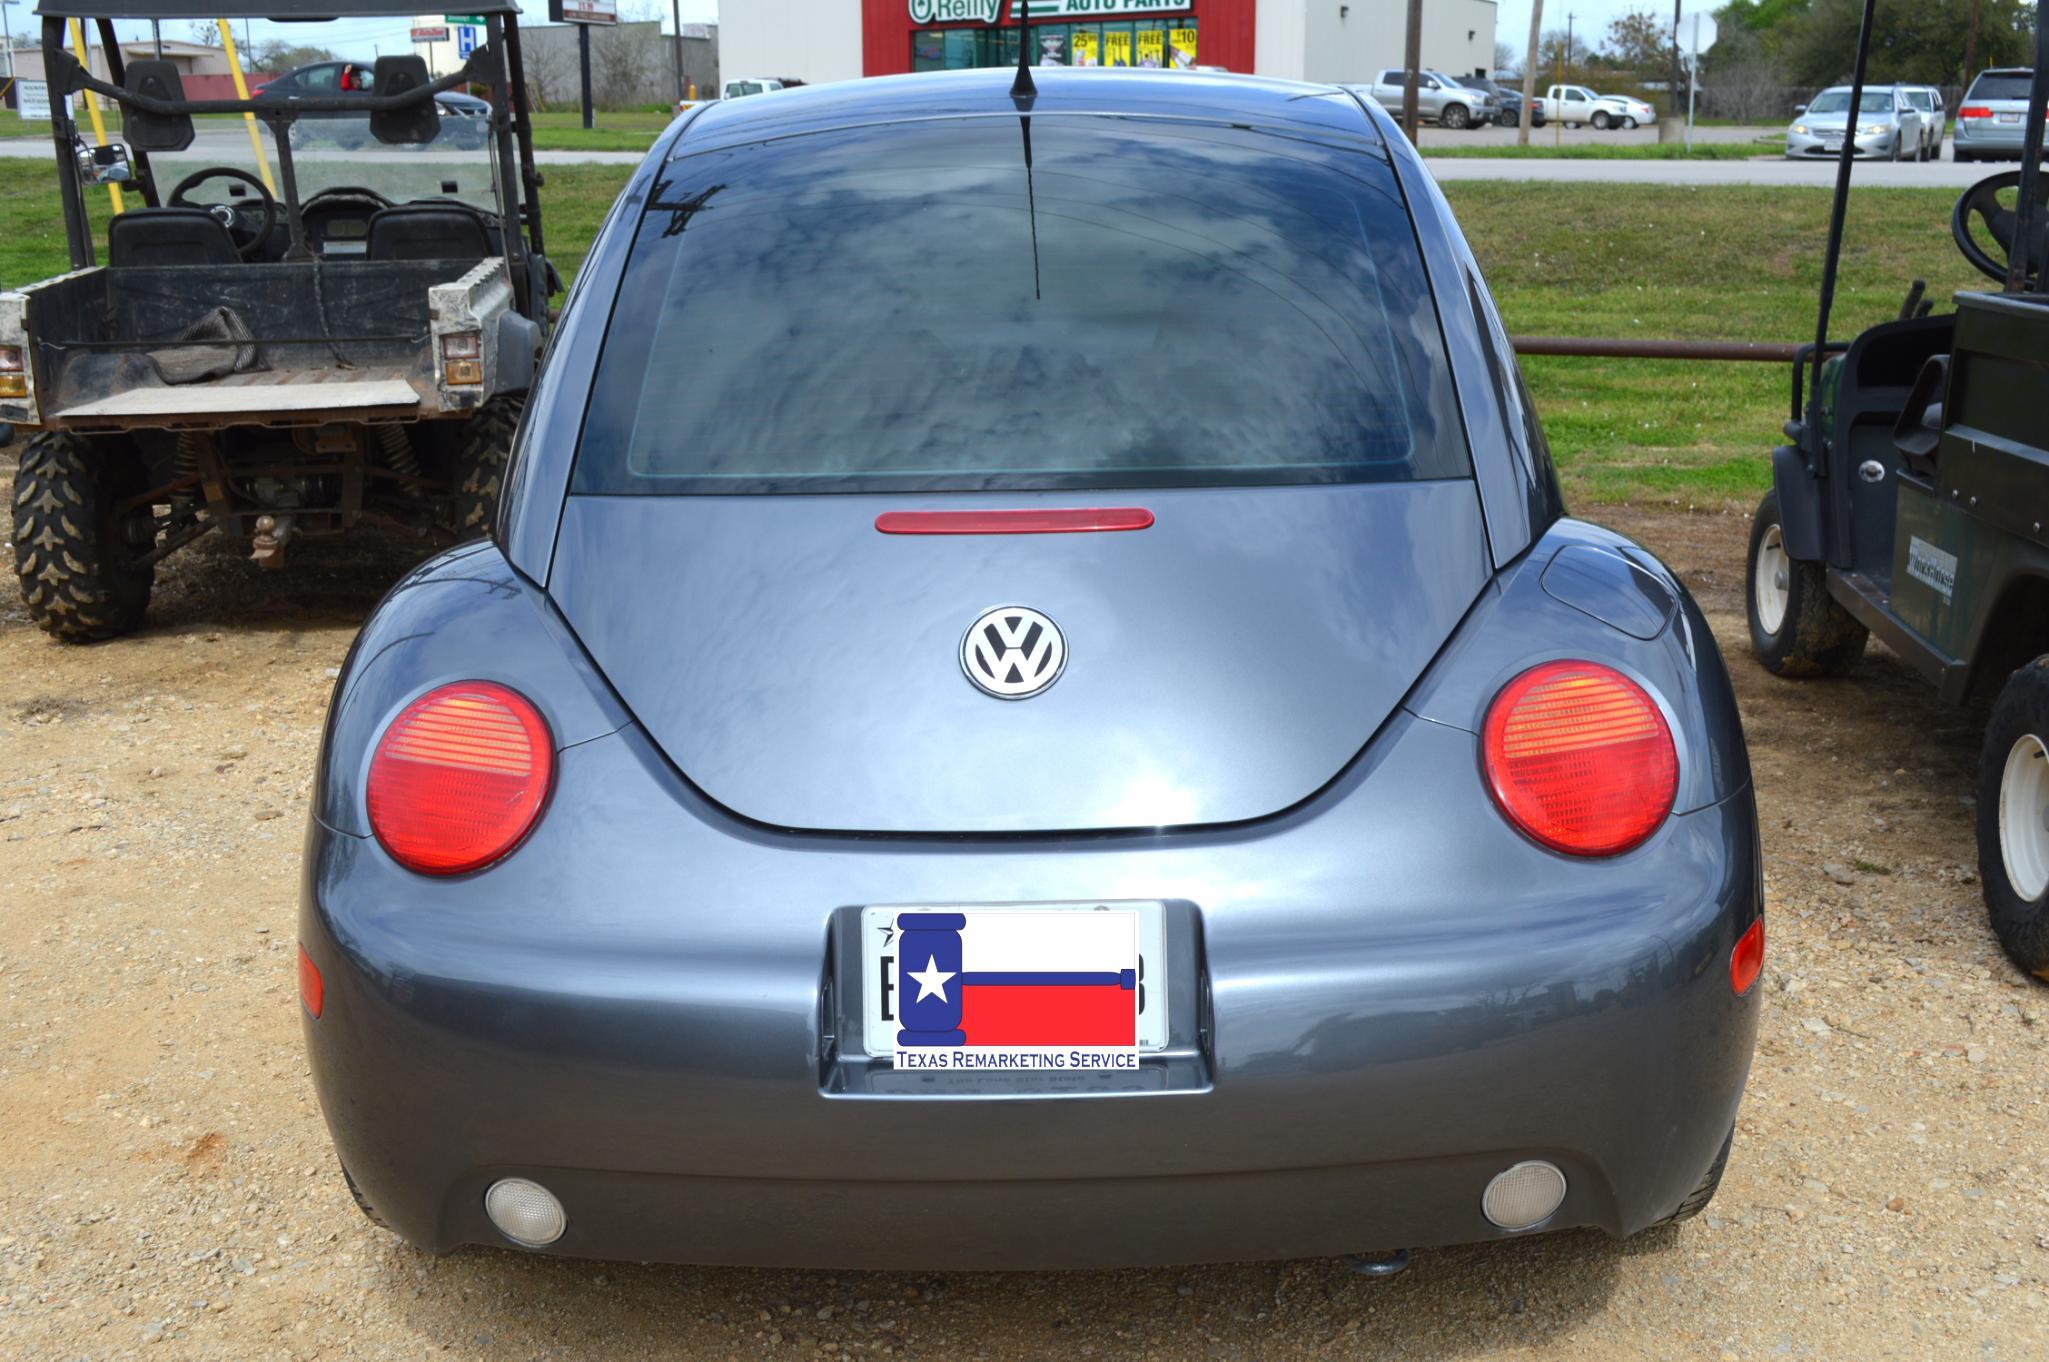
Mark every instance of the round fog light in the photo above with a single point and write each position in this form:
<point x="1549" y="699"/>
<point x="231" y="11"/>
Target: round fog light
<point x="525" y="1212"/>
<point x="1523" y="1196"/>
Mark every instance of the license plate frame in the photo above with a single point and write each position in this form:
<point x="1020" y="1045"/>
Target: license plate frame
<point x="878" y="1020"/>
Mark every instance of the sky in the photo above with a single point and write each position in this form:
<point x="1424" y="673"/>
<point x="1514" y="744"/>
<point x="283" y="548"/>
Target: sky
<point x="1590" y="17"/>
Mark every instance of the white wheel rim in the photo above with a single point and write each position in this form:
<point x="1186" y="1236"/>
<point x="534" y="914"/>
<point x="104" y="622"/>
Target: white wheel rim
<point x="2024" y="817"/>
<point x="1774" y="580"/>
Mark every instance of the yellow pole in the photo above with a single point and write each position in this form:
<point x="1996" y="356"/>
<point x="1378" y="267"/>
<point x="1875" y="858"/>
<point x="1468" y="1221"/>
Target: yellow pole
<point x="242" y="92"/>
<point x="92" y="106"/>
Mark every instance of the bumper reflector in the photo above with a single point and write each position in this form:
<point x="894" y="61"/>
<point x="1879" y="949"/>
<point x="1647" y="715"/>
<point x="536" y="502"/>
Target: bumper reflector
<point x="1523" y="1196"/>
<point x="312" y="992"/>
<point x="1746" y="962"/>
<point x="525" y="1212"/>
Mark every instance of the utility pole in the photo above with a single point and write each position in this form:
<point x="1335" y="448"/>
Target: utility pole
<point x="583" y="61"/>
<point x="1522" y="133"/>
<point x="676" y="45"/>
<point x="1412" y="59"/>
<point x="1970" y="46"/>
<point x="8" y="35"/>
<point x="1678" y="70"/>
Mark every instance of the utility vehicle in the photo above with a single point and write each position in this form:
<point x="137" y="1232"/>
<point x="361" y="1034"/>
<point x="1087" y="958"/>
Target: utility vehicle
<point x="346" y="341"/>
<point x="1913" y="502"/>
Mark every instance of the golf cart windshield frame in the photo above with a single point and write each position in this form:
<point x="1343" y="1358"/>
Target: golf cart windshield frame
<point x="515" y="185"/>
<point x="2018" y="266"/>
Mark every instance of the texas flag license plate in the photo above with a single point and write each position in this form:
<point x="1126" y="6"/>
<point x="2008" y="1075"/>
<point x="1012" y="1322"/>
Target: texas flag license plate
<point x="1060" y="988"/>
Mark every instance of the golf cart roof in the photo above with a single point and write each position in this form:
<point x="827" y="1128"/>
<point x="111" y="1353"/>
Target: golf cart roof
<point x="287" y="11"/>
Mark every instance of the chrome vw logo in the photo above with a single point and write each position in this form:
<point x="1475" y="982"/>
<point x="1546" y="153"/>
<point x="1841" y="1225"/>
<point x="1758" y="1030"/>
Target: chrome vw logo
<point x="1013" y="652"/>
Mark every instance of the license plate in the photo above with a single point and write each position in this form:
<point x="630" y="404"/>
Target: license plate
<point x="2009" y="118"/>
<point x="1013" y="978"/>
<point x="1831" y="147"/>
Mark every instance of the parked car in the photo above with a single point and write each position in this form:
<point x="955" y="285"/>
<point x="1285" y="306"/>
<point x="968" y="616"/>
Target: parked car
<point x="1439" y="99"/>
<point x="739" y="88"/>
<point x="465" y="119"/>
<point x="1576" y="105"/>
<point x="1934" y="116"/>
<point x="1083" y="838"/>
<point x="1989" y="117"/>
<point x="1508" y="101"/>
<point x="1888" y="126"/>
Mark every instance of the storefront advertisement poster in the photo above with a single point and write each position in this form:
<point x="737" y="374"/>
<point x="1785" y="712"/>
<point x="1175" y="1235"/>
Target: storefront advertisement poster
<point x="1152" y="48"/>
<point x="1116" y="49"/>
<point x="1052" y="49"/>
<point x="1085" y="49"/>
<point x="1181" y="41"/>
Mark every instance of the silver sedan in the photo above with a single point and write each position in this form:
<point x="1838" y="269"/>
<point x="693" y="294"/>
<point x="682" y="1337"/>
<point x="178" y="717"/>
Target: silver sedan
<point x="1886" y="127"/>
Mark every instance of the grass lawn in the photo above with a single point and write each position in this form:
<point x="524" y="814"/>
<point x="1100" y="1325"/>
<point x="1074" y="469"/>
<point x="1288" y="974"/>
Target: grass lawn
<point x="1540" y="148"/>
<point x="563" y="130"/>
<point x="1717" y="262"/>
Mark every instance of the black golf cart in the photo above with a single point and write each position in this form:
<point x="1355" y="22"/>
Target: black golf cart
<point x="348" y="341"/>
<point x="1913" y="502"/>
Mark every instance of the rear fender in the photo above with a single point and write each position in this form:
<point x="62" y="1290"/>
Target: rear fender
<point x="1799" y="504"/>
<point x="1584" y="592"/>
<point x="463" y="616"/>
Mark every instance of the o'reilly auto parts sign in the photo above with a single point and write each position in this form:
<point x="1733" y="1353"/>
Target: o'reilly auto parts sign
<point x="988" y="11"/>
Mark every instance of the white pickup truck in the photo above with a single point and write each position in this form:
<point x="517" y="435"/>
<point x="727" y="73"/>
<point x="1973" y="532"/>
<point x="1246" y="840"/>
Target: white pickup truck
<point x="1574" y="105"/>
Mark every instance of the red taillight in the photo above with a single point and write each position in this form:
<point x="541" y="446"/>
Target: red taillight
<point x="1061" y="520"/>
<point x="312" y="992"/>
<point x="1578" y="757"/>
<point x="1746" y="962"/>
<point x="459" y="777"/>
<point x="1974" y="111"/>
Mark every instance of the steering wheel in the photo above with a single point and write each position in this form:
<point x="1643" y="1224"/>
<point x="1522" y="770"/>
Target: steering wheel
<point x="345" y="193"/>
<point x="247" y="239"/>
<point x="2001" y="222"/>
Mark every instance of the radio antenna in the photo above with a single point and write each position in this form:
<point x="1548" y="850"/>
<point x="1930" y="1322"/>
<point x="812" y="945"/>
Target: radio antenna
<point x="1022" y="88"/>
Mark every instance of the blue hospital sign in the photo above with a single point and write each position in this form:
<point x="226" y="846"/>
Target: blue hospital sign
<point x="465" y="41"/>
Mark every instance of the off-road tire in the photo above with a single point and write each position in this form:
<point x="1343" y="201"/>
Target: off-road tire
<point x="2020" y="923"/>
<point x="363" y="1202"/>
<point x="1601" y="119"/>
<point x="1816" y="636"/>
<point x="1454" y="116"/>
<point x="1697" y="1200"/>
<point x="480" y="465"/>
<point x="68" y="550"/>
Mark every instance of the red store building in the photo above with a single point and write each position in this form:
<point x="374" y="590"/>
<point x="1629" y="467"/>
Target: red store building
<point x="940" y="35"/>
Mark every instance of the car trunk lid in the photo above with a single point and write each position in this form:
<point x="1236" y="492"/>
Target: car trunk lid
<point x="805" y="670"/>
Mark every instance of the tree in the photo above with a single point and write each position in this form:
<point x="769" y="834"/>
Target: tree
<point x="279" y="57"/>
<point x="1505" y="59"/>
<point x="1554" y="54"/>
<point x="1640" y="44"/>
<point x="621" y="62"/>
<point x="1915" y="41"/>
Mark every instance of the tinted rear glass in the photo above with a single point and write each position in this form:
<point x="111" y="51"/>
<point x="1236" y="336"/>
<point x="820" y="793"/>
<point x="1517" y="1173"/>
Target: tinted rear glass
<point x="903" y="308"/>
<point x="2001" y="85"/>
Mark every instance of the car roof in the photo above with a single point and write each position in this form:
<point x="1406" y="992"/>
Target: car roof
<point x="1128" y="92"/>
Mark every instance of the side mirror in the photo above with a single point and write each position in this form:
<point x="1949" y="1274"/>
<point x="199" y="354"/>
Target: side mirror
<point x="1799" y="109"/>
<point x="154" y="131"/>
<point x="417" y="123"/>
<point x="101" y="165"/>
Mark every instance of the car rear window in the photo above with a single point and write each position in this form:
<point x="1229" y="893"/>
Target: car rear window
<point x="2001" y="85"/>
<point x="903" y="307"/>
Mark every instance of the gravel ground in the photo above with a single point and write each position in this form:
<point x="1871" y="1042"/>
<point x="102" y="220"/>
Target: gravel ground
<point x="167" y="1189"/>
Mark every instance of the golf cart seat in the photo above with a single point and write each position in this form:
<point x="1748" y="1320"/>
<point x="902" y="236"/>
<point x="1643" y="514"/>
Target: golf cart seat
<point x="154" y="237"/>
<point x="429" y="231"/>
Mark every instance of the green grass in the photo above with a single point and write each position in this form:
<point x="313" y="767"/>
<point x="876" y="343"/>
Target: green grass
<point x="1541" y="148"/>
<point x="1720" y="262"/>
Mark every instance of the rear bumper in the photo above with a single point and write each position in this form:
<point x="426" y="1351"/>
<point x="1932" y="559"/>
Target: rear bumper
<point x="1397" y="998"/>
<point x="1985" y="137"/>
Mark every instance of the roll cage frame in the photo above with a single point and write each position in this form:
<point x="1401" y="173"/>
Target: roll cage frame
<point x="497" y="64"/>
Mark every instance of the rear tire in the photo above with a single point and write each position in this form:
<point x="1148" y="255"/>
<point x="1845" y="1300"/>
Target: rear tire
<point x="2013" y="804"/>
<point x="1454" y="117"/>
<point x="70" y="552"/>
<point x="480" y="465"/>
<point x="1796" y="627"/>
<point x="1698" y="1199"/>
<point x="1628" y="123"/>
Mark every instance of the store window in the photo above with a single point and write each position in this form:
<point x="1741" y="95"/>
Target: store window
<point x="1144" y="42"/>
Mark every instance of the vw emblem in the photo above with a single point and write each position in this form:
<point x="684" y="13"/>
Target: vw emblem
<point x="1013" y="652"/>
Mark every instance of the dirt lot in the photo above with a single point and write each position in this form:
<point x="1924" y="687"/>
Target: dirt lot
<point x="167" y="1188"/>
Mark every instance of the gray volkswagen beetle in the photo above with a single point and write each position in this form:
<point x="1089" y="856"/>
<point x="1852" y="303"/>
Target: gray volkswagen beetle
<point x="1032" y="704"/>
